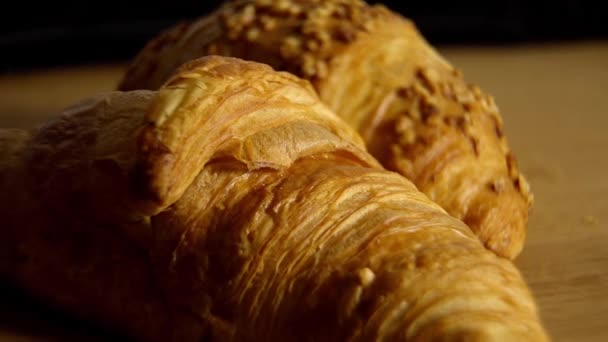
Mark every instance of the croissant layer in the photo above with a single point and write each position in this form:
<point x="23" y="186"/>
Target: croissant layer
<point x="416" y="112"/>
<point x="233" y="205"/>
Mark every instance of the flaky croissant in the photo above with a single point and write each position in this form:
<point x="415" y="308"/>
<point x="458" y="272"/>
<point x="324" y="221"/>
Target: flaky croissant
<point x="416" y="113"/>
<point x="233" y="205"/>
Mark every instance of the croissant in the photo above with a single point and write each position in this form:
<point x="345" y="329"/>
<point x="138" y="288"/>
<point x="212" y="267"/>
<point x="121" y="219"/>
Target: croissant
<point x="416" y="112"/>
<point x="233" y="205"/>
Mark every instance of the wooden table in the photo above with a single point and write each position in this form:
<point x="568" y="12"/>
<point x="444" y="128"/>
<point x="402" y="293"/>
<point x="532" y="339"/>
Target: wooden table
<point x="554" y="99"/>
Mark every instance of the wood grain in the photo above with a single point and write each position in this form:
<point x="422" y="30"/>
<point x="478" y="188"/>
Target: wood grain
<point x="554" y="100"/>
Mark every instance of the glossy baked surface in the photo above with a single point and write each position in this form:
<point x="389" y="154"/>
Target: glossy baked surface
<point x="233" y="205"/>
<point x="565" y="260"/>
<point x="417" y="114"/>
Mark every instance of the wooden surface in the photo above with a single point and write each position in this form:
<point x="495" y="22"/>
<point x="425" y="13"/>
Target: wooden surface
<point x="554" y="100"/>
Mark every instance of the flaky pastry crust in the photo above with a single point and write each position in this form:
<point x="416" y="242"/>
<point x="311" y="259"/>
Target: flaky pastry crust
<point x="416" y="112"/>
<point x="233" y="205"/>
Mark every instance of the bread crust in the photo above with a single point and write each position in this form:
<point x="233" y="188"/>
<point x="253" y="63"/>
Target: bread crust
<point x="233" y="205"/>
<point x="416" y="112"/>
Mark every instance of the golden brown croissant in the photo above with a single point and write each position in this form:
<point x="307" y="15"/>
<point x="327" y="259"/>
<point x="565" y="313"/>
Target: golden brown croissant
<point x="233" y="205"/>
<point x="416" y="113"/>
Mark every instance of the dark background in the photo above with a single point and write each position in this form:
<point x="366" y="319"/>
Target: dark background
<point x="40" y="34"/>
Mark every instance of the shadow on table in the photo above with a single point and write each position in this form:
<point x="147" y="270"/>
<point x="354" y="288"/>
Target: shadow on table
<point x="23" y="318"/>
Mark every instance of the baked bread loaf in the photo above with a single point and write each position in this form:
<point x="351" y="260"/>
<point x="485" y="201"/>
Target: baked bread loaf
<point x="233" y="205"/>
<point x="416" y="112"/>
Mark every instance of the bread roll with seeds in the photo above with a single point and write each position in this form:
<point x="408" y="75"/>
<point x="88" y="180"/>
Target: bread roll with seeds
<point x="417" y="114"/>
<point x="232" y="205"/>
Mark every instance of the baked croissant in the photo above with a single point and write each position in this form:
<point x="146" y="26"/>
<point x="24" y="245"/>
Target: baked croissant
<point x="417" y="114"/>
<point x="233" y="205"/>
